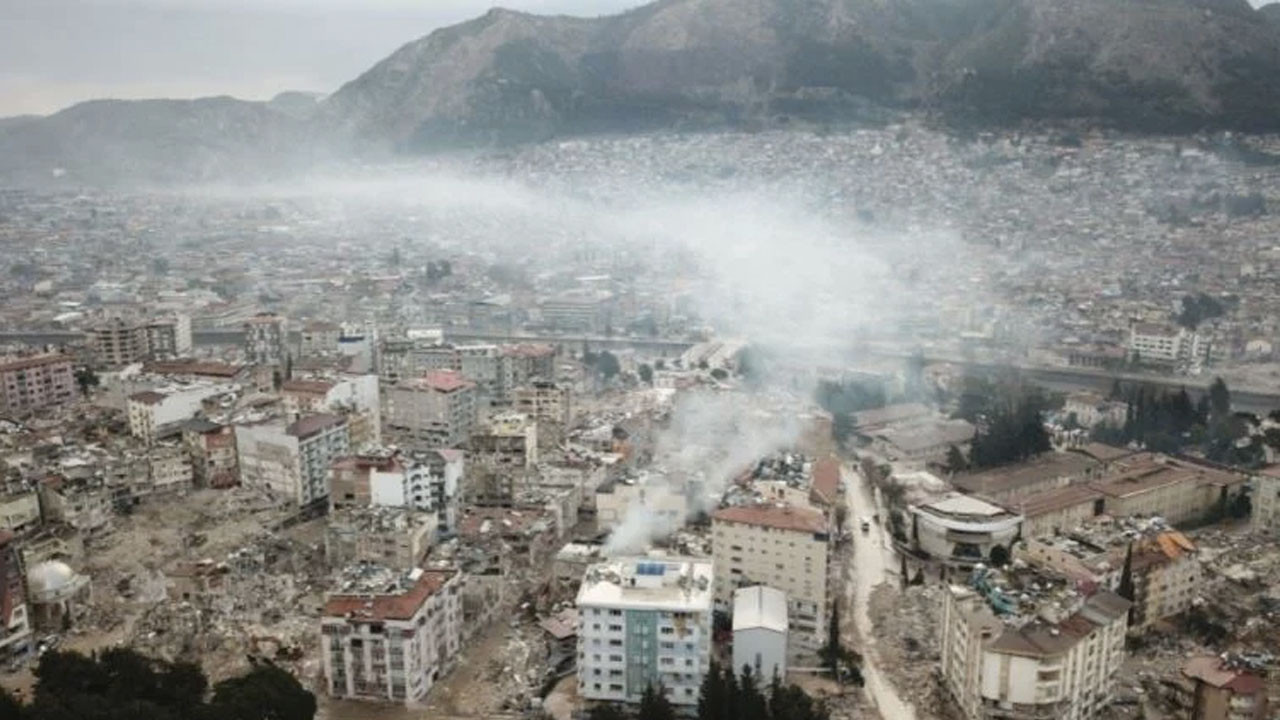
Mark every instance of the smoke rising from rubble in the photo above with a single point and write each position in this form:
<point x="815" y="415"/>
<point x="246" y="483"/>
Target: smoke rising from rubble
<point x="712" y="438"/>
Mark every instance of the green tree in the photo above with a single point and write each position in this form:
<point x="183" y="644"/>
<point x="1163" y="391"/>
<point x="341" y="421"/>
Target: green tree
<point x="607" y="365"/>
<point x="956" y="461"/>
<point x="1219" y="398"/>
<point x="87" y="379"/>
<point x="265" y="693"/>
<point x="646" y="374"/>
<point x="834" y="647"/>
<point x="606" y="711"/>
<point x="841" y="517"/>
<point x="720" y="374"/>
<point x="715" y="696"/>
<point x="10" y="708"/>
<point x="654" y="705"/>
<point x="750" y="704"/>
<point x="1125" y="588"/>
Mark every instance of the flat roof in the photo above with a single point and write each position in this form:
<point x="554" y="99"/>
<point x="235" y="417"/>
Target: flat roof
<point x="967" y="506"/>
<point x="648" y="584"/>
<point x="401" y="603"/>
<point x="759" y="606"/>
<point x="312" y="424"/>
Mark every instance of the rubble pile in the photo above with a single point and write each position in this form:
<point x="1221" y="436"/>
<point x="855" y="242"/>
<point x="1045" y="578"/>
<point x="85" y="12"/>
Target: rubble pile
<point x="907" y="623"/>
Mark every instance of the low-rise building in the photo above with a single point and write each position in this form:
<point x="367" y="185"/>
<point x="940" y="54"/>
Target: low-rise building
<point x="924" y="441"/>
<point x="389" y="635"/>
<point x="644" y="623"/>
<point x="1266" y="499"/>
<point x="1163" y="563"/>
<point x="212" y="449"/>
<point x="1030" y="648"/>
<point x="20" y="512"/>
<point x="1220" y="691"/>
<point x="393" y="537"/>
<point x="642" y="494"/>
<point x="1057" y="510"/>
<point x="427" y="481"/>
<point x="15" y="624"/>
<point x="34" y="383"/>
<point x="963" y="531"/>
<point x="780" y="546"/>
<point x="151" y="412"/>
<point x="84" y="505"/>
<point x="1047" y="472"/>
<point x="1176" y="489"/>
<point x="760" y="632"/>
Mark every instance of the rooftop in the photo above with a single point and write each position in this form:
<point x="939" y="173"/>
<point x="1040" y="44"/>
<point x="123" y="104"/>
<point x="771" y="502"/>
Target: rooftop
<point x="1046" y="467"/>
<point x="311" y="424"/>
<point x="1210" y="669"/>
<point x="372" y="592"/>
<point x="890" y="414"/>
<point x="759" y="607"/>
<point x="445" y="381"/>
<point x="1055" y="500"/>
<point x="826" y="481"/>
<point x="966" y="508"/>
<point x="648" y="583"/>
<point x="928" y="434"/>
<point x="191" y="367"/>
<point x="313" y="387"/>
<point x="147" y="397"/>
<point x="28" y="363"/>
<point x="781" y="517"/>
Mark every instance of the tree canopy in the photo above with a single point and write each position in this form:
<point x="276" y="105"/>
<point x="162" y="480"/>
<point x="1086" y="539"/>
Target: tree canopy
<point x="121" y="684"/>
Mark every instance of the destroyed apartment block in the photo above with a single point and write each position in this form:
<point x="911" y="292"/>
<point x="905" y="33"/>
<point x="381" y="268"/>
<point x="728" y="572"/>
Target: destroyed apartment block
<point x="390" y="635"/>
<point x="1024" y="646"/>
<point x="394" y="537"/>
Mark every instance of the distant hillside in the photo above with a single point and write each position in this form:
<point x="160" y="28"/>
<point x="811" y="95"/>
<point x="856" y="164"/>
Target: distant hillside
<point x="157" y="141"/>
<point x="1145" y="65"/>
<point x="1140" y="64"/>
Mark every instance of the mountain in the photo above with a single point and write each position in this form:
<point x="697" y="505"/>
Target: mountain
<point x="1146" y="65"/>
<point x="153" y="141"/>
<point x="1168" y="65"/>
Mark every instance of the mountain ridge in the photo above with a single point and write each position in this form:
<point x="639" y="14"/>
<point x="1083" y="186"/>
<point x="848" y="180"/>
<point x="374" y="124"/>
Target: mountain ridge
<point x="508" y="76"/>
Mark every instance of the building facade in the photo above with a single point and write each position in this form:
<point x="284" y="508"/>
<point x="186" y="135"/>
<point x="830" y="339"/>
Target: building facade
<point x="15" y="624"/>
<point x="1064" y="668"/>
<point x="644" y="623"/>
<point x="389" y="636"/>
<point x="292" y="462"/>
<point x="266" y="340"/>
<point x="963" y="531"/>
<point x="760" y="632"/>
<point x="35" y="383"/>
<point x="433" y="411"/>
<point x="780" y="546"/>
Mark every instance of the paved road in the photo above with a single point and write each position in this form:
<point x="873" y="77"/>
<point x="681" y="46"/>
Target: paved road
<point x="872" y="557"/>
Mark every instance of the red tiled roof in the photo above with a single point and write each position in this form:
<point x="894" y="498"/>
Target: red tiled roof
<point x="388" y="607"/>
<point x="33" y="362"/>
<point x="826" y="481"/>
<point x="443" y="381"/>
<point x="781" y="517"/>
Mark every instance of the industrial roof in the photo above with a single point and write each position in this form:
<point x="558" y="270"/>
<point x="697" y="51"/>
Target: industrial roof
<point x="759" y="606"/>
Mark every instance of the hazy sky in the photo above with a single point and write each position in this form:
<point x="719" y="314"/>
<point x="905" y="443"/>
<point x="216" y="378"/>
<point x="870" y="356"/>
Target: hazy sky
<point x="54" y="53"/>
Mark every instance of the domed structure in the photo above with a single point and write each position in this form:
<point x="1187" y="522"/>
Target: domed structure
<point x="54" y="589"/>
<point x="49" y="579"/>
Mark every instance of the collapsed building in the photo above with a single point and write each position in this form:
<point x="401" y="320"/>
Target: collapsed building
<point x="1025" y="646"/>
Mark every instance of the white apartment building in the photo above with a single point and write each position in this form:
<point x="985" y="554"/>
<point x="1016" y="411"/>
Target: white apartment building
<point x="355" y="396"/>
<point x="1031" y="663"/>
<point x="781" y="546"/>
<point x="389" y="636"/>
<point x="644" y="622"/>
<point x="266" y="339"/>
<point x="170" y="470"/>
<point x="760" y="632"/>
<point x="433" y="411"/>
<point x="292" y="462"/>
<point x="1266" y="499"/>
<point x="1166" y="344"/>
<point x="152" y="410"/>
<point x="427" y="481"/>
